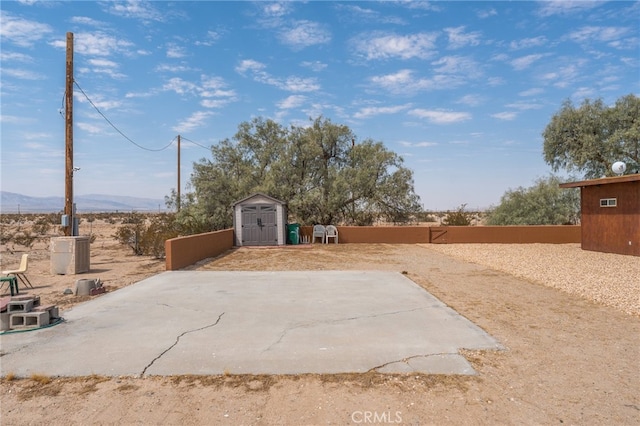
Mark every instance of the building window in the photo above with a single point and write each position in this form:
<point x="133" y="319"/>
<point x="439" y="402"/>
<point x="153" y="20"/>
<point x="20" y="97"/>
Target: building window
<point x="608" y="202"/>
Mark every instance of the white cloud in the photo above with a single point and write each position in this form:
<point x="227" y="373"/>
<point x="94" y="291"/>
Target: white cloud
<point x="15" y="57"/>
<point x="293" y="101"/>
<point x="439" y="116"/>
<point x="103" y="66"/>
<point x="527" y="43"/>
<point x="96" y="44"/>
<point x="564" y="75"/>
<point x="531" y="92"/>
<point x="495" y="81"/>
<point x="210" y="39"/>
<point x="470" y="100"/>
<point x="362" y="14"/>
<point x="483" y="14"/>
<point x="195" y="120"/>
<point x="314" y="65"/>
<point x="179" y="86"/>
<point x="21" y="32"/>
<point x="458" y="38"/>
<point x="524" y="105"/>
<point x="22" y="74"/>
<point x="304" y="34"/>
<point x="417" y="144"/>
<point x="90" y="128"/>
<point x="212" y="89"/>
<point x="457" y="65"/>
<point x="275" y="9"/>
<point x="583" y="93"/>
<point x="174" y="51"/>
<point x="172" y="68"/>
<point x="297" y="84"/>
<point x="565" y="7"/>
<point x="506" y="116"/>
<point x="102" y="63"/>
<point x="97" y="100"/>
<point x="290" y="84"/>
<point x="135" y="9"/>
<point x="404" y="82"/>
<point x="249" y="65"/>
<point x="525" y="61"/>
<point x="599" y="34"/>
<point x="383" y="46"/>
<point x="372" y="111"/>
<point x="84" y="20"/>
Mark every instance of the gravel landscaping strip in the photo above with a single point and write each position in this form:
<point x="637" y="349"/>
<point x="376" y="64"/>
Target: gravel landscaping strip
<point x="609" y="279"/>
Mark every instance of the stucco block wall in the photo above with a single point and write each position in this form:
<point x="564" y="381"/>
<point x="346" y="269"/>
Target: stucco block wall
<point x="185" y="251"/>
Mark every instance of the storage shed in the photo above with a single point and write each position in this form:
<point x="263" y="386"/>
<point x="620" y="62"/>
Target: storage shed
<point x="259" y="220"/>
<point x="610" y="220"/>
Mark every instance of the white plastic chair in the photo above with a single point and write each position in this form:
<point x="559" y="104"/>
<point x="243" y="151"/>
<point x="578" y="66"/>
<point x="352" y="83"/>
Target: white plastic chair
<point x="318" y="232"/>
<point x="331" y="232"/>
<point x="21" y="271"/>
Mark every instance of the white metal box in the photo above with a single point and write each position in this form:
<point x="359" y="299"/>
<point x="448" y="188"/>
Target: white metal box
<point x="70" y="255"/>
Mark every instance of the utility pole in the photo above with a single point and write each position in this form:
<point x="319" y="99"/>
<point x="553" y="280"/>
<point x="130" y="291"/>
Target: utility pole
<point x="68" y="105"/>
<point x="178" y="200"/>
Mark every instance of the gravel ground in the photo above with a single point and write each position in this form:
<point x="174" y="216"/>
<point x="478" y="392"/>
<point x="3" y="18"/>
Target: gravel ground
<point x="609" y="279"/>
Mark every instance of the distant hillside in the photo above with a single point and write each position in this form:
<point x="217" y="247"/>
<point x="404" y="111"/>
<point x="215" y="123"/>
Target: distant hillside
<point x="17" y="203"/>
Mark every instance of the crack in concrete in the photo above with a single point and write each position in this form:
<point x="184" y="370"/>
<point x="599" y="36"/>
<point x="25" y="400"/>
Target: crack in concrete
<point x="177" y="341"/>
<point x="407" y="359"/>
<point x="314" y="323"/>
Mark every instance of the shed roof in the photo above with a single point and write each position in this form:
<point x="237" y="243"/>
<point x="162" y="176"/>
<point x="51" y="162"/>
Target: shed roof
<point x="258" y="194"/>
<point x="602" y="181"/>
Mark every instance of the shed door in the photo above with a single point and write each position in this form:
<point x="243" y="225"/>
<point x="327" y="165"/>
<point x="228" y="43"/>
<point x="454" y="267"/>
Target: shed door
<point x="259" y="226"/>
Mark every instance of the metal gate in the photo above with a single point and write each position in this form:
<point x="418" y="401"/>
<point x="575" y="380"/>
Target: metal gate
<point x="259" y="227"/>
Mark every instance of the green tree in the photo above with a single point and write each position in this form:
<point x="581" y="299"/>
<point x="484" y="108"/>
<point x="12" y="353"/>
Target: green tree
<point x="318" y="170"/>
<point x="544" y="203"/>
<point x="590" y="138"/>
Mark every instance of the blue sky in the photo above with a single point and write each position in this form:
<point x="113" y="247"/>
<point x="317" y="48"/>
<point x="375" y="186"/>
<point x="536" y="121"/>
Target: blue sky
<point x="462" y="90"/>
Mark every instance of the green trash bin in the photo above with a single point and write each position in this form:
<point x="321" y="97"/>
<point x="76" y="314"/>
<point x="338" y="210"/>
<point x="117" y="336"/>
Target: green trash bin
<point x="293" y="233"/>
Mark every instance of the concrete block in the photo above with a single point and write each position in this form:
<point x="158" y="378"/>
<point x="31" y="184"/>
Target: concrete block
<point x="52" y="309"/>
<point x="4" y="321"/>
<point x="17" y="306"/>
<point x="20" y="297"/>
<point x="23" y="297"/>
<point x="29" y="319"/>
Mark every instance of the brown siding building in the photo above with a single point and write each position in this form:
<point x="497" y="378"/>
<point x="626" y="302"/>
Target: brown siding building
<point x="610" y="214"/>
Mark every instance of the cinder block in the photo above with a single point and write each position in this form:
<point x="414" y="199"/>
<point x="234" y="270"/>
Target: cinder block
<point x="52" y="309"/>
<point x="23" y="297"/>
<point x="4" y="321"/>
<point x="17" y="306"/>
<point x="29" y="319"/>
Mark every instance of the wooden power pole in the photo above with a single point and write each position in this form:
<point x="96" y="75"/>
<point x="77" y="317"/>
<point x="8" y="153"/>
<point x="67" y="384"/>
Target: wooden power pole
<point x="178" y="200"/>
<point x="68" y="104"/>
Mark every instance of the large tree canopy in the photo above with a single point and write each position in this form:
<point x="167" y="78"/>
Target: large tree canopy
<point x="544" y="203"/>
<point x="589" y="139"/>
<point x="318" y="170"/>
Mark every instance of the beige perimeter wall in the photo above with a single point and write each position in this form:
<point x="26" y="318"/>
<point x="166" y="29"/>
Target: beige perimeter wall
<point x="185" y="251"/>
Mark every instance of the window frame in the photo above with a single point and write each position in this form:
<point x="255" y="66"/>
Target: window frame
<point x="609" y="202"/>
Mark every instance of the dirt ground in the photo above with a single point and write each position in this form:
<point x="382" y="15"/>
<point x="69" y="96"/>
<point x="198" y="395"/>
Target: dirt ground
<point x="567" y="360"/>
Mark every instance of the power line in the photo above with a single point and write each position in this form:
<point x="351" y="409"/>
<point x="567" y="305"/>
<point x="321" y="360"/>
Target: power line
<point x="196" y="143"/>
<point x="115" y="128"/>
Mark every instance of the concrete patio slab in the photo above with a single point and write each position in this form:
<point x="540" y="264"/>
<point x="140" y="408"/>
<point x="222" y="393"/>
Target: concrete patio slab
<point x="194" y="322"/>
